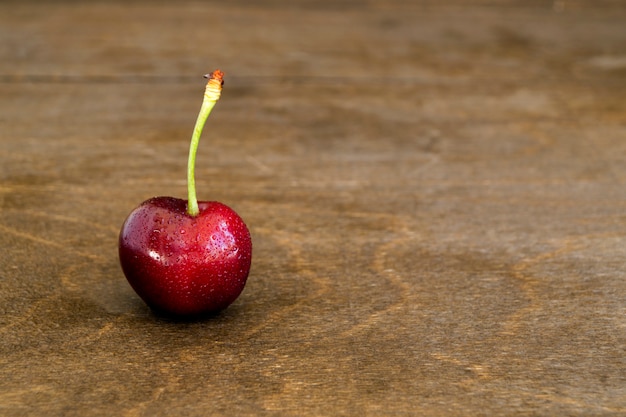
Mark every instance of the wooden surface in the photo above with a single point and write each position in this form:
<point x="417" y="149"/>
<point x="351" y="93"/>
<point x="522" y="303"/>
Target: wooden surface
<point x="436" y="193"/>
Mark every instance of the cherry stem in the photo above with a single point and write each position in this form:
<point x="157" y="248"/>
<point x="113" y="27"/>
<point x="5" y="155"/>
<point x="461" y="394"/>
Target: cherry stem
<point x="211" y="95"/>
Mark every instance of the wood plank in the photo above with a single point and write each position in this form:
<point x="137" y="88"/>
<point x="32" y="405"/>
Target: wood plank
<point x="435" y="193"/>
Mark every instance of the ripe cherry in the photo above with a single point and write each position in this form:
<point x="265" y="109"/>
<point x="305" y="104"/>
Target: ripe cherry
<point x="185" y="257"/>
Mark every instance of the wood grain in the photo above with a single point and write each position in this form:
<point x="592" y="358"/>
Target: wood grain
<point x="435" y="193"/>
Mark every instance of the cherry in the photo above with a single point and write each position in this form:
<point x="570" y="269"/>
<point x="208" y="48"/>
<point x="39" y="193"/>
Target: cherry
<point x="185" y="257"/>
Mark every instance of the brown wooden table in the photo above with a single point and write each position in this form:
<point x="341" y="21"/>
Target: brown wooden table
<point x="436" y="193"/>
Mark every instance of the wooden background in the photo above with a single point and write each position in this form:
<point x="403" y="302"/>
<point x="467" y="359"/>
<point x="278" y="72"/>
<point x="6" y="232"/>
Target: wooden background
<point x="436" y="193"/>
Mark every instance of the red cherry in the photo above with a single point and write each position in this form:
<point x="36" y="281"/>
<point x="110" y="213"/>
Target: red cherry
<point x="187" y="257"/>
<point x="182" y="264"/>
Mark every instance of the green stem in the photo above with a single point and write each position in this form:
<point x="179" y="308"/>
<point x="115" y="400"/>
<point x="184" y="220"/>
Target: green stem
<point x="211" y="95"/>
